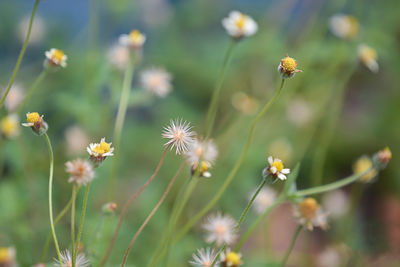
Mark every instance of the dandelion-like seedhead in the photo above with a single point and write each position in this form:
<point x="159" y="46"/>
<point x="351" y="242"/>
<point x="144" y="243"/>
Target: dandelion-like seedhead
<point x="231" y="259"/>
<point x="10" y="127"/>
<point x="179" y="135"/>
<point x="344" y="26"/>
<point x="81" y="171"/>
<point x="368" y="57"/>
<point x="275" y="170"/>
<point x="36" y="123"/>
<point x="220" y="229"/>
<point x="55" y="58"/>
<point x="239" y="25"/>
<point x="134" y="40"/>
<point x="309" y="213"/>
<point x="204" y="258"/>
<point x="201" y="150"/>
<point x="288" y="67"/>
<point x="66" y="260"/>
<point x="156" y="81"/>
<point x="99" y="151"/>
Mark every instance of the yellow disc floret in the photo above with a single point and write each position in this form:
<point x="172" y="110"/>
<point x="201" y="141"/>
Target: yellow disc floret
<point x="9" y="126"/>
<point x="4" y="255"/>
<point x="105" y="147"/>
<point x="58" y="55"/>
<point x="308" y="208"/>
<point x="278" y="165"/>
<point x="289" y="64"/>
<point x="240" y="22"/>
<point x="135" y="35"/>
<point x="33" y="117"/>
<point x="204" y="166"/>
<point x="233" y="258"/>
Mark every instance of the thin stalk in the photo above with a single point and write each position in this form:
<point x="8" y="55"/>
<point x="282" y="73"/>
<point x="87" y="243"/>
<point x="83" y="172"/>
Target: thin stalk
<point x="35" y="84"/>
<point x="125" y="209"/>
<point x="234" y="170"/>
<point x="78" y="238"/>
<point x="73" y="224"/>
<point x="146" y="221"/>
<point x="53" y="230"/>
<point x="294" y="238"/>
<point x="21" y="54"/>
<point x="119" y="123"/>
<point x="212" y="110"/>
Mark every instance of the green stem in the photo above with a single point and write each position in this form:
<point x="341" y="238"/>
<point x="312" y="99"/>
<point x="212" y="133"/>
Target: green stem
<point x="53" y="230"/>
<point x="234" y="170"/>
<point x="78" y="239"/>
<point x="21" y="54"/>
<point x="73" y="224"/>
<point x="212" y="110"/>
<point x="35" y="84"/>
<point x="287" y="254"/>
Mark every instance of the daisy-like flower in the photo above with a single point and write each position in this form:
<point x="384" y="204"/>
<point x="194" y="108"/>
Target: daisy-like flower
<point x="265" y="198"/>
<point x="55" y="58"/>
<point x="239" y="25"/>
<point x="368" y="57"/>
<point x="203" y="171"/>
<point x="288" y="67"/>
<point x="344" y="26"/>
<point x="275" y="169"/>
<point x="310" y="214"/>
<point x="134" y="40"/>
<point x="201" y="150"/>
<point x="245" y="103"/>
<point x="231" y="259"/>
<point x="14" y="98"/>
<point x="66" y="260"/>
<point x="221" y="229"/>
<point x="8" y="257"/>
<point x="10" y="126"/>
<point x="362" y="165"/>
<point x="36" y="123"/>
<point x="156" y="81"/>
<point x="203" y="258"/>
<point x="81" y="171"/>
<point x="118" y="56"/>
<point x="179" y="135"/>
<point x="99" y="151"/>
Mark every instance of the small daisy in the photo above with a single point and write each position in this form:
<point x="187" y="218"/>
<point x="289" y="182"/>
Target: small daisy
<point x="36" y="123"/>
<point x="362" y="165"/>
<point x="203" y="258"/>
<point x="134" y="40"/>
<point x="288" y="67"/>
<point x="8" y="257"/>
<point x="81" y="171"/>
<point x="265" y="198"/>
<point x="344" y="26"/>
<point x="310" y="214"/>
<point x="275" y="169"/>
<point x="201" y="150"/>
<point x="204" y="169"/>
<point x="100" y="151"/>
<point x="368" y="57"/>
<point x="10" y="126"/>
<point x="221" y="229"/>
<point x="66" y="259"/>
<point x="231" y="259"/>
<point x="239" y="25"/>
<point x="118" y="56"/>
<point x="179" y="135"/>
<point x="56" y="58"/>
<point x="156" y="81"/>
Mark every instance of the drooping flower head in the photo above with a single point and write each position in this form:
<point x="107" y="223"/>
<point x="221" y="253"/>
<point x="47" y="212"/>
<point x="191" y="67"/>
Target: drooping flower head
<point x="344" y="26"/>
<point x="310" y="214"/>
<point x="55" y="58"/>
<point x="220" y="229"/>
<point x="99" y="151"/>
<point x="204" y="258"/>
<point x="156" y="81"/>
<point x="265" y="198"/>
<point x="66" y="260"/>
<point x="363" y="164"/>
<point x="179" y="135"/>
<point x="202" y="170"/>
<point x="81" y="171"/>
<point x="239" y="25"/>
<point x="368" y="57"/>
<point x="9" y="126"/>
<point x="8" y="257"/>
<point x="231" y="259"/>
<point x="134" y="40"/>
<point x="275" y="169"/>
<point x="201" y="150"/>
<point x="288" y="67"/>
<point x="36" y="123"/>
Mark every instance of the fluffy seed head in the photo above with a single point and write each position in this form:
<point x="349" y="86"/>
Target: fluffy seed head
<point x="203" y="258"/>
<point x="179" y="135"/>
<point x="81" y="171"/>
<point x="221" y="229"/>
<point x="156" y="81"/>
<point x="66" y="260"/>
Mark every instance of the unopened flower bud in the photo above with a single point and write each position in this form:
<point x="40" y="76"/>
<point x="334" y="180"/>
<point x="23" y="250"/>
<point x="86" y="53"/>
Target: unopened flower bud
<point x="109" y="208"/>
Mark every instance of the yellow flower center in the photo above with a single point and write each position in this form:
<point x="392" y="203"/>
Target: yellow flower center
<point x="308" y="208"/>
<point x="4" y="255"/>
<point x="367" y="53"/>
<point x="58" y="55"/>
<point x="33" y="117"/>
<point x="289" y="64"/>
<point x="233" y="258"/>
<point x="135" y="35"/>
<point x="204" y="166"/>
<point x="362" y="165"/>
<point x="105" y="146"/>
<point x="353" y="26"/>
<point x="240" y="22"/>
<point x="278" y="165"/>
<point x="8" y="126"/>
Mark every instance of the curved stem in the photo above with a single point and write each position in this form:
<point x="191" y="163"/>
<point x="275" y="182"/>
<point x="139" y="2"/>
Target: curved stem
<point x="78" y="238"/>
<point x="125" y="209"/>
<point x="287" y="254"/>
<point x="146" y="221"/>
<point x="235" y="168"/>
<point x="212" y="110"/>
<point x="21" y="54"/>
<point x="73" y="224"/>
<point x="53" y="230"/>
<point x="35" y="84"/>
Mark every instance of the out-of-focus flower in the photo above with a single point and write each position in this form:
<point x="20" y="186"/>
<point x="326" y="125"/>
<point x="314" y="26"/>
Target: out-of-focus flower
<point x="344" y="26"/>
<point x="66" y="259"/>
<point x="81" y="171"/>
<point x="221" y="229"/>
<point x="179" y="134"/>
<point x="231" y="259"/>
<point x="203" y="170"/>
<point x="288" y="67"/>
<point x="10" y="126"/>
<point x="336" y="203"/>
<point x="265" y="198"/>
<point x="8" y="257"/>
<point x="329" y="257"/>
<point x="299" y="112"/>
<point x="100" y="151"/>
<point x="38" y="30"/>
<point x="201" y="150"/>
<point x="76" y="140"/>
<point x="14" y="98"/>
<point x="109" y="208"/>
<point x="310" y="214"/>
<point x="118" y="56"/>
<point x="368" y="57"/>
<point x="282" y="148"/>
<point x="36" y="123"/>
<point x="362" y="165"/>
<point x="239" y="25"/>
<point x="55" y="58"/>
<point x="134" y="40"/>
<point x="244" y="103"/>
<point x="383" y="157"/>
<point x="203" y="258"/>
<point x="275" y="169"/>
<point x="156" y="81"/>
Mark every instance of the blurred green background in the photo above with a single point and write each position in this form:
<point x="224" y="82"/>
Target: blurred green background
<point x="332" y="113"/>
